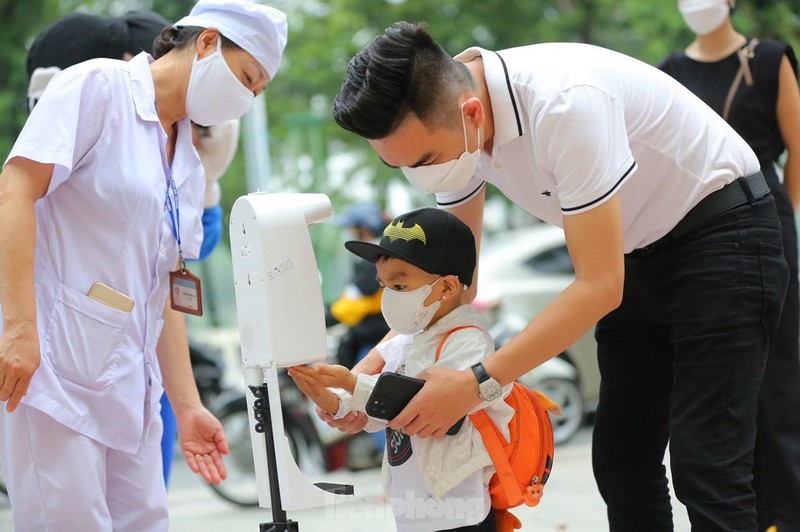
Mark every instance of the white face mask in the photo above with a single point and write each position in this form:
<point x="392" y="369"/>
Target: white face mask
<point x="215" y="94"/>
<point x="405" y="312"/>
<point x="451" y="176"/>
<point x="704" y="16"/>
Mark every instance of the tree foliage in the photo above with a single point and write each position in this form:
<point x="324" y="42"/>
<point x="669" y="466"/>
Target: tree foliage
<point x="324" y="36"/>
<point x="308" y="151"/>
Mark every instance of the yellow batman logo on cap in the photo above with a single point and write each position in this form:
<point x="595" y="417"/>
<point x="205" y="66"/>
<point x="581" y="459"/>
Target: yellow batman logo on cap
<point x="395" y="231"/>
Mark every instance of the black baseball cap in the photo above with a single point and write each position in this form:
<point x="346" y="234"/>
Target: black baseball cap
<point x="78" y="37"/>
<point x="143" y="28"/>
<point x="431" y="239"/>
<point x="75" y="38"/>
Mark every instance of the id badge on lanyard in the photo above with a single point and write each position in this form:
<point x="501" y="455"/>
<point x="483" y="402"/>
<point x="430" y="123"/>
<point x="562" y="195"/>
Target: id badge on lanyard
<point x="185" y="294"/>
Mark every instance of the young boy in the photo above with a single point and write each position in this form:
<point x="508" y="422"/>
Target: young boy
<point x="425" y="260"/>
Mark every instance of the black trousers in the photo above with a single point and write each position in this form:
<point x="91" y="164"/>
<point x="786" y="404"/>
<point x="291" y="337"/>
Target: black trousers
<point x="777" y="454"/>
<point x="682" y="360"/>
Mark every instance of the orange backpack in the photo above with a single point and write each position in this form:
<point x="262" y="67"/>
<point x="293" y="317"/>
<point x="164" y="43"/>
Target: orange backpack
<point x="523" y="463"/>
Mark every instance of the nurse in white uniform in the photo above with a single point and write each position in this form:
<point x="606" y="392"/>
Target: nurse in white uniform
<point x="100" y="203"/>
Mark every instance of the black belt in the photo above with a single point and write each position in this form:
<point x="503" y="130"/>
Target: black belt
<point x="743" y="190"/>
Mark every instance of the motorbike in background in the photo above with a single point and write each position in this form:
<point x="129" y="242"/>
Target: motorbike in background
<point x="316" y="447"/>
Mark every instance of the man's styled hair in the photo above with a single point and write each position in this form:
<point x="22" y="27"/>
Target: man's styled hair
<point x="400" y="72"/>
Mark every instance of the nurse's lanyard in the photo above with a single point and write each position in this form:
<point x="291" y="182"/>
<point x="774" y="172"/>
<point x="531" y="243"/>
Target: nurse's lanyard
<point x="184" y="287"/>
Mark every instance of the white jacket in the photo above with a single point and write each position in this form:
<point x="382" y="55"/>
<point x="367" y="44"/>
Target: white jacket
<point x="446" y="462"/>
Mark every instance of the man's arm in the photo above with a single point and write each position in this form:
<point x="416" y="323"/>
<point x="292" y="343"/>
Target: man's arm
<point x="199" y="432"/>
<point x="788" y="113"/>
<point x="22" y="183"/>
<point x="595" y="241"/>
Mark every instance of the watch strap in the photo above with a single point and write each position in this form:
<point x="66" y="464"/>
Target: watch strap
<point x="480" y="372"/>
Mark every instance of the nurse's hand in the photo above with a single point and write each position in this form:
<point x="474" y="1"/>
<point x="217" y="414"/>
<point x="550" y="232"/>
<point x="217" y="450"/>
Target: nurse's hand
<point x="203" y="443"/>
<point x="19" y="360"/>
<point x="447" y="396"/>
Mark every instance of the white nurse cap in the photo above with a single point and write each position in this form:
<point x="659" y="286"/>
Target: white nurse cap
<point x="258" y="29"/>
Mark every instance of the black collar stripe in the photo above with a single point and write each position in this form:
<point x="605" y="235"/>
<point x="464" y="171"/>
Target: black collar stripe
<point x="511" y="94"/>
<point x="468" y="196"/>
<point x="601" y="198"/>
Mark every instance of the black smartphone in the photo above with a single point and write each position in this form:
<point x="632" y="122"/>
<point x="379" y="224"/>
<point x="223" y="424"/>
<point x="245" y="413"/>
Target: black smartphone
<point x="392" y="393"/>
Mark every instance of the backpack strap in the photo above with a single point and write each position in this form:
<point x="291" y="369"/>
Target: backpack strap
<point x="745" y="54"/>
<point x="444" y="339"/>
<point x="495" y="446"/>
<point x="492" y="438"/>
<point x="447" y="335"/>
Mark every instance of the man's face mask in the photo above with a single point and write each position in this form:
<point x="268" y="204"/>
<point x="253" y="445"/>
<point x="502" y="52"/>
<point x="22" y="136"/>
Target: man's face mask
<point x="704" y="16"/>
<point x="451" y="176"/>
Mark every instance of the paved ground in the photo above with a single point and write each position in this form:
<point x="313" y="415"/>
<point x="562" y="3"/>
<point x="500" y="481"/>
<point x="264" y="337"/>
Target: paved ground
<point x="570" y="504"/>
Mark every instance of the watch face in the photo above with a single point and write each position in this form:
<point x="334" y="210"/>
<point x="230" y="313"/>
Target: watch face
<point x="490" y="390"/>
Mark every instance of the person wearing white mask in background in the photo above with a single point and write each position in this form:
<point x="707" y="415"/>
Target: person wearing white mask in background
<point x="671" y="228"/>
<point x="100" y="202"/>
<point x="752" y="83"/>
<point x="217" y="147"/>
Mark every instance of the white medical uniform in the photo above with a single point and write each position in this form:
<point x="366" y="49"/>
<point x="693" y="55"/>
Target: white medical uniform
<point x="82" y="451"/>
<point x="576" y="124"/>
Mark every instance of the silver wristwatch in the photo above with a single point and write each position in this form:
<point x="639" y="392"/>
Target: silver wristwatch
<point x="488" y="388"/>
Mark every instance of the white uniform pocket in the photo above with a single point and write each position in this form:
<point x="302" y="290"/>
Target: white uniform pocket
<point x="83" y="338"/>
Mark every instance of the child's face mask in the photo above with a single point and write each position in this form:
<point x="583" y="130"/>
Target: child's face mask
<point x="405" y="312"/>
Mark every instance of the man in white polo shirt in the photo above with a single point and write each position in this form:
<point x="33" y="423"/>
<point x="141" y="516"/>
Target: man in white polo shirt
<point x="673" y="234"/>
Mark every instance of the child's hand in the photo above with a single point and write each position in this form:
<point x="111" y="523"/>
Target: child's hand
<point x="328" y="376"/>
<point x="304" y="379"/>
<point x="336" y="377"/>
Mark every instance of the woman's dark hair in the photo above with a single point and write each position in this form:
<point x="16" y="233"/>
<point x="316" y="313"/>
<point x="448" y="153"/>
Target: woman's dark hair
<point x="179" y="38"/>
<point x="400" y="72"/>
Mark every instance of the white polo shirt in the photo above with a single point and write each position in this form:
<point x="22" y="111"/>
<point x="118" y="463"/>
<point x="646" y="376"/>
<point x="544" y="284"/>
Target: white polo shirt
<point x="103" y="219"/>
<point x="576" y="124"/>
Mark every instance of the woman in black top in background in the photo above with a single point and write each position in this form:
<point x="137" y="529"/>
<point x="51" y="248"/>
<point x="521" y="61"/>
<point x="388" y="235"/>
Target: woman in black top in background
<point x="754" y="86"/>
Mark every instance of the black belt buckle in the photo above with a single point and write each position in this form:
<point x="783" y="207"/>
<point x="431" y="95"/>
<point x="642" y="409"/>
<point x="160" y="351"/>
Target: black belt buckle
<point x="754" y="187"/>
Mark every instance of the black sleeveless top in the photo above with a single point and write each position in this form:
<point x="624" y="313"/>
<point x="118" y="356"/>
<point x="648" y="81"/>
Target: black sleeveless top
<point x="753" y="112"/>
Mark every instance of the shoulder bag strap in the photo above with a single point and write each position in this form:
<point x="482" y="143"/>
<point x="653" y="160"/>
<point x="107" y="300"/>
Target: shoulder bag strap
<point x="745" y="54"/>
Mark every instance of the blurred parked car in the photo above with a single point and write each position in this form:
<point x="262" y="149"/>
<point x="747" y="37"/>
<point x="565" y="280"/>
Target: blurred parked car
<point x="521" y="272"/>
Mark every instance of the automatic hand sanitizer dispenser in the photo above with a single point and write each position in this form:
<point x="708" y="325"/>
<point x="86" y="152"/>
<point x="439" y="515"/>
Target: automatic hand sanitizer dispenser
<point x="278" y="295"/>
<point x="281" y="324"/>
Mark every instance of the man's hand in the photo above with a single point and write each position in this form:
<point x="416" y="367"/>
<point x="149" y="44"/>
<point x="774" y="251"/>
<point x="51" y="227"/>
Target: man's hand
<point x="203" y="443"/>
<point x="19" y="360"/>
<point x="447" y="396"/>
